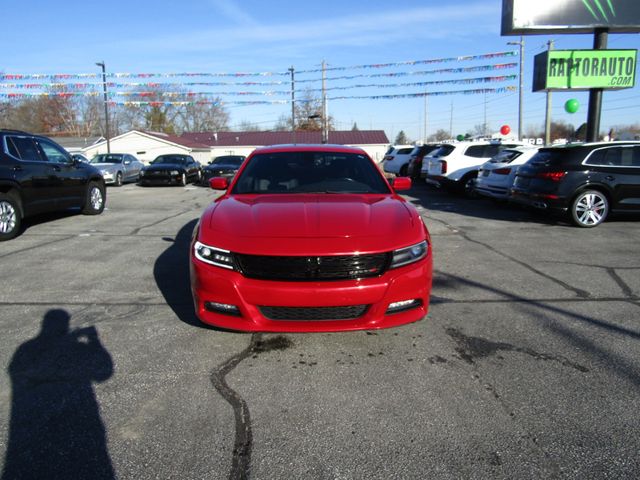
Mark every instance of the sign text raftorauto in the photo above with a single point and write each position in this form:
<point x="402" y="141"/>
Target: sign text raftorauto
<point x="585" y="69"/>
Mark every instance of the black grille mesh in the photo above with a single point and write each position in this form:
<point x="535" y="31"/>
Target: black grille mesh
<point x="313" y="313"/>
<point x="313" y="268"/>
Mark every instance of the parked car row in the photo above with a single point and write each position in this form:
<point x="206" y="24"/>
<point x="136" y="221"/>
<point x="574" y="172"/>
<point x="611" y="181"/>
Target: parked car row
<point x="584" y="182"/>
<point x="37" y="175"/>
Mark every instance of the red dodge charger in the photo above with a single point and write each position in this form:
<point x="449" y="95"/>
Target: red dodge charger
<point x="310" y="238"/>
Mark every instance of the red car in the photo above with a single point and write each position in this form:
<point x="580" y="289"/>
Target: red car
<point x="310" y="238"/>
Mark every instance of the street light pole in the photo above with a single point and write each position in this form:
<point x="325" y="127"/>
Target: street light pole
<point x="520" y="87"/>
<point x="106" y="105"/>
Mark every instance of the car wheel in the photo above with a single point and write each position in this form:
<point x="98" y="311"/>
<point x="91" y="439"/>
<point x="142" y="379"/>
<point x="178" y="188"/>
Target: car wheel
<point x="589" y="209"/>
<point x="95" y="200"/>
<point x="10" y="216"/>
<point x="403" y="170"/>
<point x="468" y="185"/>
<point x="118" y="180"/>
<point x="183" y="179"/>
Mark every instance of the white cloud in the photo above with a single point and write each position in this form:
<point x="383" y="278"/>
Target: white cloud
<point x="369" y="29"/>
<point x="232" y="10"/>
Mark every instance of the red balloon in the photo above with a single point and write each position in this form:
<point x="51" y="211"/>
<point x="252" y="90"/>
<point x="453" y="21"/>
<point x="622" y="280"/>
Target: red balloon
<point x="505" y="129"/>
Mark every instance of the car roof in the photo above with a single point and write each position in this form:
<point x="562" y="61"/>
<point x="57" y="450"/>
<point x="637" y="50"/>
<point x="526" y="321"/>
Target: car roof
<point x="591" y="145"/>
<point x="322" y="147"/>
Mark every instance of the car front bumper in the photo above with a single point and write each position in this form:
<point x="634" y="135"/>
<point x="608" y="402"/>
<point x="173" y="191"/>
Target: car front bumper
<point x="256" y="300"/>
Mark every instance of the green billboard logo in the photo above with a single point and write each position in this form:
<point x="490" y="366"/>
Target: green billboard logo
<point x="598" y="11"/>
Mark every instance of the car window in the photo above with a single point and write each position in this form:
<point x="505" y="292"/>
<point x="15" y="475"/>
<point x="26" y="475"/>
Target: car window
<point x="505" y="156"/>
<point x="310" y="172"/>
<point x="476" y="151"/>
<point x="635" y="159"/>
<point x="24" y="148"/>
<point x="443" y="151"/>
<point x="608" y="157"/>
<point x="53" y="153"/>
<point x="404" y="151"/>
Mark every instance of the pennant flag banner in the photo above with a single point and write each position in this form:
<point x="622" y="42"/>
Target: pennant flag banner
<point x="480" y="68"/>
<point x="72" y="76"/>
<point x="420" y="62"/>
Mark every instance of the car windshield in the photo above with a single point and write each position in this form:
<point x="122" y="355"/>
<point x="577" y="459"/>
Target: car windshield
<point x="106" y="158"/>
<point x="170" y="159"/>
<point x="228" y="160"/>
<point x="310" y="172"/>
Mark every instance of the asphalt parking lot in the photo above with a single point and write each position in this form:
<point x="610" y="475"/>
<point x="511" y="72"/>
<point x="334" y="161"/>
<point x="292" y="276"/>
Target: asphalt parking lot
<point x="527" y="366"/>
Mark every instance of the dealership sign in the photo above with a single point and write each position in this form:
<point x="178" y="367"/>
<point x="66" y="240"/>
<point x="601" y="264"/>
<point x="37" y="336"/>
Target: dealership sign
<point x="525" y="17"/>
<point x="584" y="69"/>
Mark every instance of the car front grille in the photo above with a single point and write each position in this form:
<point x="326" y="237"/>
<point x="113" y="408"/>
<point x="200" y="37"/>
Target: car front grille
<point x="323" y="268"/>
<point x="350" y="312"/>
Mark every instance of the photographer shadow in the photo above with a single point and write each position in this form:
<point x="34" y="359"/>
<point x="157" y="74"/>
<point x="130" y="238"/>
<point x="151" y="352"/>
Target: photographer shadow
<point x="55" y="430"/>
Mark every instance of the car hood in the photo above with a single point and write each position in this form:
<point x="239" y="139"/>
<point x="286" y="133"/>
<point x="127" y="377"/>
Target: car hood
<point x="105" y="166"/>
<point x="311" y="224"/>
<point x="164" y="166"/>
<point x="221" y="166"/>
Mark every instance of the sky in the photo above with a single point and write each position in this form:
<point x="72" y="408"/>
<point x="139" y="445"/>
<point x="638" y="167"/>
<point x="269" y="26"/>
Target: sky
<point x="253" y="36"/>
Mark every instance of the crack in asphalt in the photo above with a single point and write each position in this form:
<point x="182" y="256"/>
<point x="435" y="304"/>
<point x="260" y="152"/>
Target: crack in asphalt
<point x="243" y="444"/>
<point x="33" y="247"/>
<point x="135" y="231"/>
<point x="579" y="292"/>
<point x="471" y="348"/>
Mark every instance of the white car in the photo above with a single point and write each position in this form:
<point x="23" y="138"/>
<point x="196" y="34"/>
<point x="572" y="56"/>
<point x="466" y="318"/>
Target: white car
<point x="397" y="160"/>
<point x="455" y="165"/>
<point x="496" y="176"/>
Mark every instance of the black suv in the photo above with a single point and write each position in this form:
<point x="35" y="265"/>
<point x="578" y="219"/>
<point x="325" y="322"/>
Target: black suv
<point x="586" y="180"/>
<point x="37" y="175"/>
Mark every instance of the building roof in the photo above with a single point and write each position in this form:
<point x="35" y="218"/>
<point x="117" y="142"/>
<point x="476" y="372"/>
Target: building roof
<point x="183" y="140"/>
<point x="252" y="139"/>
<point x="77" y="142"/>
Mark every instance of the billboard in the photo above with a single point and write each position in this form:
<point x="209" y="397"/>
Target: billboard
<point x="526" y="17"/>
<point x="584" y="69"/>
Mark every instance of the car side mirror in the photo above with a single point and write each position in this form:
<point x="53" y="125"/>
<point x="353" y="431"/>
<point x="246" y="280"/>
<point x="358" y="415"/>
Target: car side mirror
<point x="219" y="183"/>
<point x="401" y="183"/>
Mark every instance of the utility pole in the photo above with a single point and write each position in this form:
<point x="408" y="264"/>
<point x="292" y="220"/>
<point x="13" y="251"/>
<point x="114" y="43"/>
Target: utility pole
<point x="547" y="118"/>
<point x="451" y="121"/>
<point x="325" y="121"/>
<point x="520" y="88"/>
<point x="424" y="134"/>
<point x="293" y="106"/>
<point x="600" y="38"/>
<point x="106" y="104"/>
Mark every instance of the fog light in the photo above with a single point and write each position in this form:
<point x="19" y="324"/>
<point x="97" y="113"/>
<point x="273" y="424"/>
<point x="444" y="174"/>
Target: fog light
<point x="396" y="307"/>
<point x="223" y="308"/>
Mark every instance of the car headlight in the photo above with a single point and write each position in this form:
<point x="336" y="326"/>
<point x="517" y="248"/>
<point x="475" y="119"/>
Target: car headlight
<point x="174" y="172"/>
<point x="214" y="256"/>
<point x="407" y="255"/>
<point x="142" y="172"/>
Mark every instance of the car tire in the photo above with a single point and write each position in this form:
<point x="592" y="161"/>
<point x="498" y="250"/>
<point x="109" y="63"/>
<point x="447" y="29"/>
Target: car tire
<point x="10" y="216"/>
<point x="95" y="199"/>
<point x="118" y="180"/>
<point x="467" y="185"/>
<point x="183" y="179"/>
<point x="589" y="209"/>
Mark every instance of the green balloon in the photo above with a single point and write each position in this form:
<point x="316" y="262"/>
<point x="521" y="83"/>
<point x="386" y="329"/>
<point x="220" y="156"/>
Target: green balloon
<point x="571" y="106"/>
<point x="460" y="138"/>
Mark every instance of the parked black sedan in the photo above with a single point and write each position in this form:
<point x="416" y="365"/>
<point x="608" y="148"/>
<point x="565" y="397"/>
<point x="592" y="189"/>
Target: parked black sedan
<point x="222" y="166"/>
<point x="587" y="181"/>
<point x="172" y="169"/>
